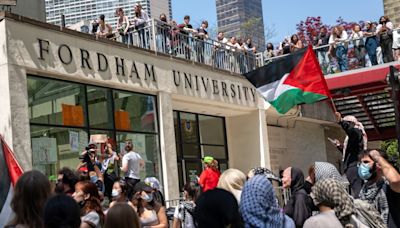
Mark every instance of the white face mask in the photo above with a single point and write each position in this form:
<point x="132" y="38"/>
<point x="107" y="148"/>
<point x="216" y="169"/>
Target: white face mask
<point x="115" y="193"/>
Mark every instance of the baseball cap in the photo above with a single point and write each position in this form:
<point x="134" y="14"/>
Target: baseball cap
<point x="141" y="186"/>
<point x="207" y="159"/>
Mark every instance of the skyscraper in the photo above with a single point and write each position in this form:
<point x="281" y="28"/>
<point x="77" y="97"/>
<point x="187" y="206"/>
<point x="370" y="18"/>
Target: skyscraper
<point x="392" y="9"/>
<point x="242" y="18"/>
<point x="77" y="10"/>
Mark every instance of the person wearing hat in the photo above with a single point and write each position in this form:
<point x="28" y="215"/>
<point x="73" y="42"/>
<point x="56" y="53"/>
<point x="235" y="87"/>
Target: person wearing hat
<point x="210" y="176"/>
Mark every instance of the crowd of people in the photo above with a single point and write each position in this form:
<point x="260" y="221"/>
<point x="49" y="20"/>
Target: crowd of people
<point x="376" y="42"/>
<point x="93" y="195"/>
<point x="179" y="39"/>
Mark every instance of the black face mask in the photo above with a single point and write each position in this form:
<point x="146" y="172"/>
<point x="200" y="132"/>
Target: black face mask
<point x="82" y="204"/>
<point x="59" y="188"/>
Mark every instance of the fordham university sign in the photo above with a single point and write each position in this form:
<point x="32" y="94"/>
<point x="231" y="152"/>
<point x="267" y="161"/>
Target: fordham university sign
<point x="188" y="84"/>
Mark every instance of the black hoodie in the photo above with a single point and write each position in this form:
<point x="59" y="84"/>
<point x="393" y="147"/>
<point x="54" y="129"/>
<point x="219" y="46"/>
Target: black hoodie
<point x="300" y="205"/>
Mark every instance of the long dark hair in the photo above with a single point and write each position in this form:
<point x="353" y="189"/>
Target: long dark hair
<point x="93" y="202"/>
<point x="193" y="190"/>
<point x="61" y="211"/>
<point x="121" y="215"/>
<point x="30" y="194"/>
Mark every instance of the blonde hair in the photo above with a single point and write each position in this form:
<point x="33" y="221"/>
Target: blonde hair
<point x="232" y="180"/>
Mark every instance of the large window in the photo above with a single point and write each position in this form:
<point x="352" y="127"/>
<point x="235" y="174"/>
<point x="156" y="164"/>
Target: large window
<point x="198" y="136"/>
<point x="63" y="116"/>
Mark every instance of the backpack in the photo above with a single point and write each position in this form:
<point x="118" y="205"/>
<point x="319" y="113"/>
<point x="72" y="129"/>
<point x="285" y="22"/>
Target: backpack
<point x="368" y="215"/>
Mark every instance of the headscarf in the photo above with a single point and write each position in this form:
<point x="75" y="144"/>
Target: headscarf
<point x="264" y="171"/>
<point x="258" y="204"/>
<point x="325" y="170"/>
<point x="357" y="125"/>
<point x="297" y="177"/>
<point x="216" y="208"/>
<point x="232" y="180"/>
<point x="331" y="192"/>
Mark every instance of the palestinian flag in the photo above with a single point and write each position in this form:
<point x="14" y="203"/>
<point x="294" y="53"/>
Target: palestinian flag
<point x="10" y="171"/>
<point x="291" y="80"/>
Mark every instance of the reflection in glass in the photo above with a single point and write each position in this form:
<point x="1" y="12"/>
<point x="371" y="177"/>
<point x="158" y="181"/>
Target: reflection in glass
<point x="55" y="102"/>
<point x="211" y="130"/>
<point x="56" y="147"/>
<point x="189" y="129"/>
<point x="147" y="146"/>
<point x="192" y="171"/>
<point x="217" y="152"/>
<point x="134" y="112"/>
<point x="99" y="107"/>
<point x="191" y="151"/>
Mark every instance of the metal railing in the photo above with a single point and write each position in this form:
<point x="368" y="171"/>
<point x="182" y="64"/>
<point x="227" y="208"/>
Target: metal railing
<point x="355" y="56"/>
<point x="171" y="40"/>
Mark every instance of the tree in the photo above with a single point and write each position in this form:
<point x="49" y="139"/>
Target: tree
<point x="390" y="147"/>
<point x="308" y="30"/>
<point x="250" y="28"/>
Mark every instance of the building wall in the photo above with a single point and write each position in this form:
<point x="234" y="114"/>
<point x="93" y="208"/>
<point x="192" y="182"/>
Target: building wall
<point x="298" y="145"/>
<point x="392" y="9"/>
<point x="178" y="85"/>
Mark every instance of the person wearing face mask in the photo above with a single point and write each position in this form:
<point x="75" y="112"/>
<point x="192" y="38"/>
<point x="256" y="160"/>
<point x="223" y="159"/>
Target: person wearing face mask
<point x="151" y="214"/>
<point x="373" y="190"/>
<point x="132" y="163"/>
<point x="88" y="198"/>
<point x="119" y="193"/>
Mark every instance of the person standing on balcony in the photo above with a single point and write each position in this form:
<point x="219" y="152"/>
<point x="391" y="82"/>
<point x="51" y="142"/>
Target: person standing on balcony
<point x="269" y="51"/>
<point x="234" y="50"/>
<point x="122" y="25"/>
<point x="186" y="29"/>
<point x="371" y="42"/>
<point x="385" y="33"/>
<point x="140" y="21"/>
<point x="250" y="54"/>
<point x="322" y="52"/>
<point x="338" y="40"/>
<point x="201" y="35"/>
<point x="104" y="30"/>
<point x="358" y="42"/>
<point x="354" y="144"/>
<point x="163" y="34"/>
<point x="220" y="51"/>
<point x="295" y="43"/>
<point x="396" y="43"/>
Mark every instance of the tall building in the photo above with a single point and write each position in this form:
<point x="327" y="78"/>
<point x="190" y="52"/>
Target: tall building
<point x="392" y="9"/>
<point x="29" y="8"/>
<point x="242" y="18"/>
<point x="77" y="10"/>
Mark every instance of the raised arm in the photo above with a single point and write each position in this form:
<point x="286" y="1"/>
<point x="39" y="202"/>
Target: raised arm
<point x="388" y="170"/>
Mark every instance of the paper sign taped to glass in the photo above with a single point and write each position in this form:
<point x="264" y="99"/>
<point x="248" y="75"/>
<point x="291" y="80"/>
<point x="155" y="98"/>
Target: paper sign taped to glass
<point x="44" y="150"/>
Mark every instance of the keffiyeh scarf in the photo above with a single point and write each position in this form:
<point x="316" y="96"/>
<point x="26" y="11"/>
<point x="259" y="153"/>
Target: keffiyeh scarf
<point x="375" y="195"/>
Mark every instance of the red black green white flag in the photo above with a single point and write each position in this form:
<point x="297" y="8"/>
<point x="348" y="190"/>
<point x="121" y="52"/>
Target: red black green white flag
<point x="291" y="80"/>
<point x="10" y="171"/>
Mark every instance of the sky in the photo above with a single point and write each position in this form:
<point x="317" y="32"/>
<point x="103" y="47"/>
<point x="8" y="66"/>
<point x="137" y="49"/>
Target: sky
<point x="283" y="15"/>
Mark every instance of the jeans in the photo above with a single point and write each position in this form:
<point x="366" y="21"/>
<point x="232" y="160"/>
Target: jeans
<point x="341" y="55"/>
<point x="371" y="44"/>
<point x="219" y="59"/>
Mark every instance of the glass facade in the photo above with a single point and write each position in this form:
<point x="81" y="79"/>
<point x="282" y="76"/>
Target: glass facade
<point x="63" y="115"/>
<point x="198" y="136"/>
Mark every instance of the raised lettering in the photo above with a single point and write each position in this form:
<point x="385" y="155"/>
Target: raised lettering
<point x="253" y="93"/>
<point x="223" y="85"/>
<point x="85" y="59"/>
<point x="120" y="66"/>
<point x="134" y="70"/>
<point x="60" y="48"/>
<point x="43" y="48"/>
<point x="100" y="66"/>
<point x="197" y="82"/>
<point x="233" y="91"/>
<point x="149" y="73"/>
<point x="188" y="80"/>
<point x="239" y="94"/>
<point x="205" y="85"/>
<point x="245" y="92"/>
<point x="215" y="86"/>
<point x="177" y="75"/>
